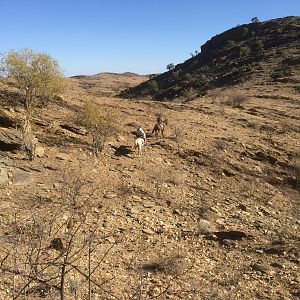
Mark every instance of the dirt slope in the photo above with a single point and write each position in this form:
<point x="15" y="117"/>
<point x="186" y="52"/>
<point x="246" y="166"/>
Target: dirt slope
<point x="210" y="211"/>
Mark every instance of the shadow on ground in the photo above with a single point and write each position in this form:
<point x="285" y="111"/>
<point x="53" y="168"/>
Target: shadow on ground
<point x="122" y="150"/>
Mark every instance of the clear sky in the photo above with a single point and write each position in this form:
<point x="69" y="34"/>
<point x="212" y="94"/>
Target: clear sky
<point x="141" y="36"/>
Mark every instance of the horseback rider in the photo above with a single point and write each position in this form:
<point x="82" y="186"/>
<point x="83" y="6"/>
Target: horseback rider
<point x="140" y="133"/>
<point x="159" y="119"/>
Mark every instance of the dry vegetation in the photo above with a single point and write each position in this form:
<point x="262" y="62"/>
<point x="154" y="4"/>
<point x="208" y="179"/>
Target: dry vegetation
<point x="210" y="211"/>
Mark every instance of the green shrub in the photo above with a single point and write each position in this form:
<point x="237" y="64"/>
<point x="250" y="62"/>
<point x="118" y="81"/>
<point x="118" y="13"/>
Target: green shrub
<point x="230" y="44"/>
<point x="244" y="51"/>
<point x="258" y="45"/>
<point x="245" y="31"/>
<point x="153" y="87"/>
<point x="175" y="75"/>
<point x="100" y="124"/>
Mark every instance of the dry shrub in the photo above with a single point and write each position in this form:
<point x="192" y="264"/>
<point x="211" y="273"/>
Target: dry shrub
<point x="100" y="123"/>
<point x="179" y="134"/>
<point x="190" y="93"/>
<point x="214" y="95"/>
<point x="171" y="265"/>
<point x="236" y="100"/>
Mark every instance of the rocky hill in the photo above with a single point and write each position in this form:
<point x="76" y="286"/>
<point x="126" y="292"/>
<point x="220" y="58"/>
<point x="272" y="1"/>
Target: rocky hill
<point x="262" y="51"/>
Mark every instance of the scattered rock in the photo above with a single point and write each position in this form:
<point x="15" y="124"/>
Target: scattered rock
<point x="56" y="185"/>
<point x="243" y="207"/>
<point x="20" y="177"/>
<point x="6" y="120"/>
<point x="39" y="151"/>
<point x="229" y="172"/>
<point x="279" y="249"/>
<point x="260" y="268"/>
<point x="3" y="175"/>
<point x="148" y="231"/>
<point x="75" y="129"/>
<point x="57" y="244"/>
<point x="110" y="195"/>
<point x="10" y="141"/>
<point x="277" y="265"/>
<point x="205" y="226"/>
<point x="63" y="156"/>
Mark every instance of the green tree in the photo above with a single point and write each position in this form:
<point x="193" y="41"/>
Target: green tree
<point x="170" y="67"/>
<point x="36" y="75"/>
<point x="100" y="123"/>
<point x="254" y="20"/>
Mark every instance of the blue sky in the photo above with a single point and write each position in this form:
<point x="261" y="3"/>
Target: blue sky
<point x="141" y="36"/>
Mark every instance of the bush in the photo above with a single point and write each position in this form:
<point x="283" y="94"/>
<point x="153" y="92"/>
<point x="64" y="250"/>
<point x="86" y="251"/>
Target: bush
<point x="245" y="31"/>
<point x="190" y="93"/>
<point x="236" y="100"/>
<point x="244" y="51"/>
<point x="175" y="75"/>
<point x="258" y="45"/>
<point x="152" y="86"/>
<point x="229" y="45"/>
<point x="100" y="124"/>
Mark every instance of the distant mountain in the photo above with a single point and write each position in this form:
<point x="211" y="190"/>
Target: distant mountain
<point x="262" y="51"/>
<point x="105" y="74"/>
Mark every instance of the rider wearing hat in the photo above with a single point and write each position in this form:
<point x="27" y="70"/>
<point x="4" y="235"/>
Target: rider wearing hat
<point x="140" y="133"/>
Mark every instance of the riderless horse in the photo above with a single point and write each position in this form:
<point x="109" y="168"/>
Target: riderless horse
<point x="138" y="144"/>
<point x="159" y="128"/>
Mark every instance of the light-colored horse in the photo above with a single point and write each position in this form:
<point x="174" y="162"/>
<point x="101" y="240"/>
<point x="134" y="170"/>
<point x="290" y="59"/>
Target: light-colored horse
<point x="139" y="144"/>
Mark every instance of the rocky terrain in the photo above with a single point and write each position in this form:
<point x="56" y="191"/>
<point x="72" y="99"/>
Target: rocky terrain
<point x="209" y="211"/>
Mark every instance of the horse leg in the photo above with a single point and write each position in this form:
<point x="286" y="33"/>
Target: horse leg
<point x="139" y="150"/>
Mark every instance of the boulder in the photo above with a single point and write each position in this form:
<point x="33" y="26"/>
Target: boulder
<point x="10" y="141"/>
<point x="75" y="129"/>
<point x="6" y="120"/>
<point x="39" y="151"/>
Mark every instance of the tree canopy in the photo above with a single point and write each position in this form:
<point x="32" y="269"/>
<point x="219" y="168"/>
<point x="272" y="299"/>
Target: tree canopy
<point x="36" y="75"/>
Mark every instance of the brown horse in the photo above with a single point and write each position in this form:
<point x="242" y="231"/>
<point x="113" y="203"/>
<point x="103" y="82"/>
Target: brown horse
<point x="159" y="128"/>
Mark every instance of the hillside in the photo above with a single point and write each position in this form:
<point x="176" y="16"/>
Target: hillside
<point x="106" y="84"/>
<point x="259" y="52"/>
<point x="209" y="211"/>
